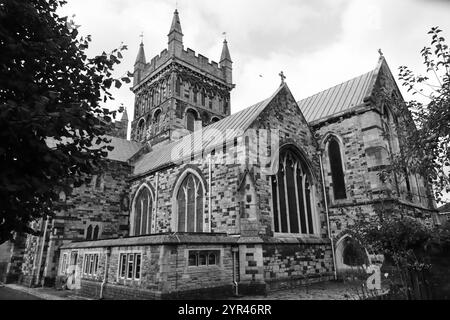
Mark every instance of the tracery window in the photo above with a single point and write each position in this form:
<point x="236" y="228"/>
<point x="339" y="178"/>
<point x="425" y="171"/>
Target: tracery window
<point x="190" y="204"/>
<point x="143" y="205"/>
<point x="293" y="196"/>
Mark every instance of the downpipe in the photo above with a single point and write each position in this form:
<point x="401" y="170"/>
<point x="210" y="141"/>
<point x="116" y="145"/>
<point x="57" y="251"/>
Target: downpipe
<point x="327" y="214"/>
<point x="105" y="277"/>
<point x="236" y="285"/>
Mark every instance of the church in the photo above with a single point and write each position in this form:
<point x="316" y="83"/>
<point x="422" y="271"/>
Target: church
<point x="203" y="203"/>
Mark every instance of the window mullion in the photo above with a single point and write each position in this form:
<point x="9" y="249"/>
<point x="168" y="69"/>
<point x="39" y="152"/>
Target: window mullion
<point x="278" y="204"/>
<point x="195" y="205"/>
<point x="148" y="231"/>
<point x="286" y="196"/>
<point x="305" y="203"/>
<point x="296" y="197"/>
<point x="186" y="193"/>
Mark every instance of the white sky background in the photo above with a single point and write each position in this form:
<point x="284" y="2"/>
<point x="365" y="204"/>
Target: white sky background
<point x="317" y="44"/>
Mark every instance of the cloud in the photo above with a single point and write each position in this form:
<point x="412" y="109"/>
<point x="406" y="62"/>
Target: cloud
<point x="317" y="44"/>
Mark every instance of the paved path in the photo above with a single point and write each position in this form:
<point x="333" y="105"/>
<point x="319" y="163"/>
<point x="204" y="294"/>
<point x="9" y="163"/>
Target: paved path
<point x="39" y="293"/>
<point x="317" y="291"/>
<point x="11" y="294"/>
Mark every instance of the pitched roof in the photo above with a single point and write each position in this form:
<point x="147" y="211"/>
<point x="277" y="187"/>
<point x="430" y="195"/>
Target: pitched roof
<point x="122" y="152"/>
<point x="211" y="136"/>
<point x="123" y="149"/>
<point x="339" y="99"/>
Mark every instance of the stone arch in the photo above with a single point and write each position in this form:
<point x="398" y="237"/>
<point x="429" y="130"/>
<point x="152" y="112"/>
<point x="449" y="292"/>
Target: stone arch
<point x="141" y="129"/>
<point x="350" y="253"/>
<point x="330" y="142"/>
<point x="133" y="205"/>
<point x="191" y="116"/>
<point x="294" y="192"/>
<point x="300" y="152"/>
<point x="188" y="170"/>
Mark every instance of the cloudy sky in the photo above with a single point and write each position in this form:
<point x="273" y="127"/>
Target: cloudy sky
<point x="317" y="44"/>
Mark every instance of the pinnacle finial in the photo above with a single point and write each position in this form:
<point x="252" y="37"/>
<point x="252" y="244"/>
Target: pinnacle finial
<point x="380" y="52"/>
<point x="142" y="37"/>
<point x="176" y="25"/>
<point x="225" y="56"/>
<point x="283" y="77"/>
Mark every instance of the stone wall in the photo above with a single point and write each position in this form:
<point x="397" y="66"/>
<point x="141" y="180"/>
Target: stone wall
<point x="164" y="272"/>
<point x="292" y="264"/>
<point x="361" y="135"/>
<point x="284" y="117"/>
<point x="102" y="201"/>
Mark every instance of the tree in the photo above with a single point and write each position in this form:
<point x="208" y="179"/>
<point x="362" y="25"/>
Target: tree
<point x="425" y="130"/>
<point x="49" y="90"/>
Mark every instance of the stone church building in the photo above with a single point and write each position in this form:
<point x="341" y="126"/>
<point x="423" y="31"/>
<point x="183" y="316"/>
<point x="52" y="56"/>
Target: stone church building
<point x="202" y="202"/>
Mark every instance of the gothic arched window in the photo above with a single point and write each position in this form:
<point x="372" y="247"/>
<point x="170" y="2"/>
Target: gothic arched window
<point x="190" y="120"/>
<point x="293" y="196"/>
<point x="337" y="169"/>
<point x="141" y="130"/>
<point x="89" y="233"/>
<point x="96" y="233"/>
<point x="142" y="213"/>
<point x="190" y="204"/>
<point x="156" y="120"/>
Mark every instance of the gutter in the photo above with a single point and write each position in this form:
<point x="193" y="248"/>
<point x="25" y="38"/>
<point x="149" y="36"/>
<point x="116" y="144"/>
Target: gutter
<point x="328" y="214"/>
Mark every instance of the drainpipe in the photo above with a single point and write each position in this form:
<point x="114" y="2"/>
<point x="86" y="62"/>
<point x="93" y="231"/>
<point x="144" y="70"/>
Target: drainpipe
<point x="209" y="191"/>
<point x="105" y="277"/>
<point x="236" y="285"/>
<point x="41" y="254"/>
<point x="328" y="214"/>
<point x="156" y="202"/>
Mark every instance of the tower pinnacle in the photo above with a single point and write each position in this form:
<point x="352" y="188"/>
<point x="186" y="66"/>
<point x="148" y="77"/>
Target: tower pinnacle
<point x="225" y="52"/>
<point x="175" y="35"/>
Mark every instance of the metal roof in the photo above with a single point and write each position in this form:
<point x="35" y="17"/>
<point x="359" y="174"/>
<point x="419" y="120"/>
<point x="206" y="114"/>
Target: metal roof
<point x="209" y="137"/>
<point x="339" y="98"/>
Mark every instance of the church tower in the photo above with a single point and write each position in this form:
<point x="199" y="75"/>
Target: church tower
<point x="178" y="92"/>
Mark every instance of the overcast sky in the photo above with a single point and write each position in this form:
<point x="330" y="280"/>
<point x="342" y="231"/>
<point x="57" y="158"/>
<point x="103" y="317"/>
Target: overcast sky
<point x="317" y="44"/>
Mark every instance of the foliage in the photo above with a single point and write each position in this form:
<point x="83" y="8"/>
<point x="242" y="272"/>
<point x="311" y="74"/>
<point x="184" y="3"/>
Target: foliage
<point x="416" y="256"/>
<point x="49" y="90"/>
<point x="402" y="239"/>
<point x="424" y="130"/>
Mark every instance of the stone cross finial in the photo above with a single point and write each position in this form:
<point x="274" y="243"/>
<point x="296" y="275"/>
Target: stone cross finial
<point x="142" y="37"/>
<point x="282" y="76"/>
